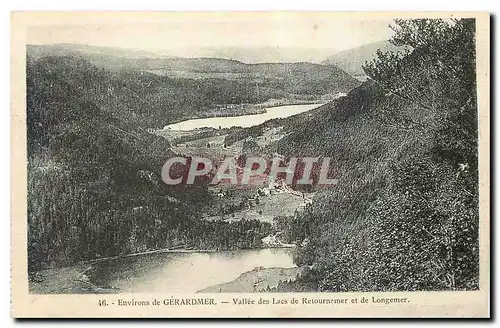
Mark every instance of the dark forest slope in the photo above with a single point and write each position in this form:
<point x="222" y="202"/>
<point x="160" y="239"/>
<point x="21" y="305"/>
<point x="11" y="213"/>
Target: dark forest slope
<point x="94" y="186"/>
<point x="404" y="215"/>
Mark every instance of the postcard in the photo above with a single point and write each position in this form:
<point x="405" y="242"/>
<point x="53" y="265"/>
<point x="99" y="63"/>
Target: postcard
<point x="250" y="164"/>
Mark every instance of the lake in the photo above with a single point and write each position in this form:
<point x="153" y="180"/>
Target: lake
<point x="244" y="120"/>
<point x="192" y="272"/>
<point x="186" y="272"/>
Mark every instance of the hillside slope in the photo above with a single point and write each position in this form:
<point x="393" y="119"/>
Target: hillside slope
<point x="351" y="60"/>
<point x="404" y="214"/>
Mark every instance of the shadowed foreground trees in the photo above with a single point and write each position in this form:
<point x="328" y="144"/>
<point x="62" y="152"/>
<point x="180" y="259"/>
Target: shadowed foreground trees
<point x="404" y="215"/>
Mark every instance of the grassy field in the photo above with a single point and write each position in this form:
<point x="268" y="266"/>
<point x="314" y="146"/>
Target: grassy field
<point x="271" y="206"/>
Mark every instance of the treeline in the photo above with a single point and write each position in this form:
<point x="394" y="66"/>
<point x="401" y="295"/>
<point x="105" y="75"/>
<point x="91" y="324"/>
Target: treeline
<point x="223" y="235"/>
<point x="404" y="215"/>
<point x="292" y="229"/>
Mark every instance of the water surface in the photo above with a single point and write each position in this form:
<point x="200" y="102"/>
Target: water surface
<point x="244" y="120"/>
<point x="186" y="272"/>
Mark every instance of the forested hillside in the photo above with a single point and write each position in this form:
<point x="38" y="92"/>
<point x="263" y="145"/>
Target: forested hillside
<point x="149" y="99"/>
<point x="404" y="215"/>
<point x="94" y="186"/>
<point x="213" y="80"/>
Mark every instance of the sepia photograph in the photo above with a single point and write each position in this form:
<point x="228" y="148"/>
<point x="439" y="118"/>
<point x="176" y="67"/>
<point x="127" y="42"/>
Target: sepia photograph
<point x="296" y="157"/>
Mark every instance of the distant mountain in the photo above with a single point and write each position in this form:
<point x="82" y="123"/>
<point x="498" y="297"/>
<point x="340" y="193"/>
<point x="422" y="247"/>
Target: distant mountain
<point x="66" y="49"/>
<point x="296" y="78"/>
<point x="263" y="81"/>
<point x="248" y="55"/>
<point x="351" y="60"/>
<point x="254" y="55"/>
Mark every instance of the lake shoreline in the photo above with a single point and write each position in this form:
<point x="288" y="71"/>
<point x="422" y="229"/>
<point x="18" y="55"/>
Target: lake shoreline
<point x="257" y="280"/>
<point x="84" y="277"/>
<point x="249" y="109"/>
<point x="87" y="276"/>
<point x="262" y="110"/>
<point x="181" y="250"/>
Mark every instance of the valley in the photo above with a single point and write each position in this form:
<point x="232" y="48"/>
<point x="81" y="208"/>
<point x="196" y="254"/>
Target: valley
<point x="130" y="99"/>
<point x="401" y="137"/>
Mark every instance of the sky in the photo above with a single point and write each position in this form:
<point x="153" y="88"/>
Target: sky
<point x="179" y="31"/>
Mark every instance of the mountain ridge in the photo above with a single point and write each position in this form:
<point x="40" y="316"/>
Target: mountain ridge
<point x="351" y="60"/>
